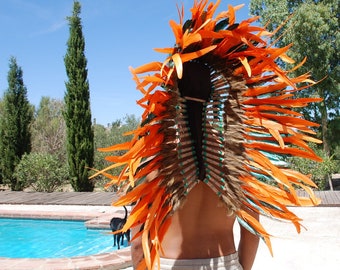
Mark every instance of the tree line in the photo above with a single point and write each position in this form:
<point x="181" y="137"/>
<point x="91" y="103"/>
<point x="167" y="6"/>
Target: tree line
<point x="44" y="166"/>
<point x="53" y="145"/>
<point x="312" y="27"/>
<point x="46" y="147"/>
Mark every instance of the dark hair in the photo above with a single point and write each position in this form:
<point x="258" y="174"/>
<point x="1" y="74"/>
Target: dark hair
<point x="196" y="84"/>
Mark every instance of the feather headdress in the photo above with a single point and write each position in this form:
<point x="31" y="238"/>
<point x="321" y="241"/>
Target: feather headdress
<point x="247" y="122"/>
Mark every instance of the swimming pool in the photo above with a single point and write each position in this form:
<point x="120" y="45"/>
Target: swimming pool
<point x="40" y="238"/>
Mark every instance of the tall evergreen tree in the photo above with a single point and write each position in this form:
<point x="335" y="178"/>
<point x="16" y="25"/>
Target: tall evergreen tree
<point x="77" y="114"/>
<point x="17" y="116"/>
<point x="313" y="30"/>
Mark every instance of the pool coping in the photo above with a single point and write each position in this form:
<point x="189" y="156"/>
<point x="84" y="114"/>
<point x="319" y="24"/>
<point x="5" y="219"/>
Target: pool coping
<point x="98" y="217"/>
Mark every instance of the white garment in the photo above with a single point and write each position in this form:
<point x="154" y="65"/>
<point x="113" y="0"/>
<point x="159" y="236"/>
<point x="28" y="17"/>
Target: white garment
<point x="230" y="262"/>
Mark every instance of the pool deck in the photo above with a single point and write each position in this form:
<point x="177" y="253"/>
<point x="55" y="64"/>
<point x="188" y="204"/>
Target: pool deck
<point x="328" y="198"/>
<point x="317" y="247"/>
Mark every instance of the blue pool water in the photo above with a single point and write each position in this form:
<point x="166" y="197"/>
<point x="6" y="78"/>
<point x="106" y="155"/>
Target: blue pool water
<point x="35" y="238"/>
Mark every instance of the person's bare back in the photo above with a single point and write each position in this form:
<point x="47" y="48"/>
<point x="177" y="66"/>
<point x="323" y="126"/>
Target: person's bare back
<point x="202" y="227"/>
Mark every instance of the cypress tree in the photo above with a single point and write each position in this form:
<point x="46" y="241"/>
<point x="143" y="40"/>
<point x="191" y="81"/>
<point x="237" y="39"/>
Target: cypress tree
<point x="17" y="116"/>
<point x="77" y="114"/>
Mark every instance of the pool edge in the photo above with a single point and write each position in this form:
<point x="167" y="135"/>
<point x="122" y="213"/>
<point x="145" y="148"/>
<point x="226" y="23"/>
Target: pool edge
<point x="111" y="260"/>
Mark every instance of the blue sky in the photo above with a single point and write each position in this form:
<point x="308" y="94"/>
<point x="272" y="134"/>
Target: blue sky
<point x="118" y="34"/>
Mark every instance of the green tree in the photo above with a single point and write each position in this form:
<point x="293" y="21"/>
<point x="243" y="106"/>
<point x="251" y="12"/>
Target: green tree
<point x="15" y="135"/>
<point x="49" y="129"/>
<point x="80" y="145"/>
<point x="1" y="116"/>
<point x="110" y="135"/>
<point x="41" y="171"/>
<point x="313" y="30"/>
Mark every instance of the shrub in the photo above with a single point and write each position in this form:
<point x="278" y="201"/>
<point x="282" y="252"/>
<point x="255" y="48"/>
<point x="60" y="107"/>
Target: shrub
<point x="319" y="171"/>
<point x="41" y="171"/>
